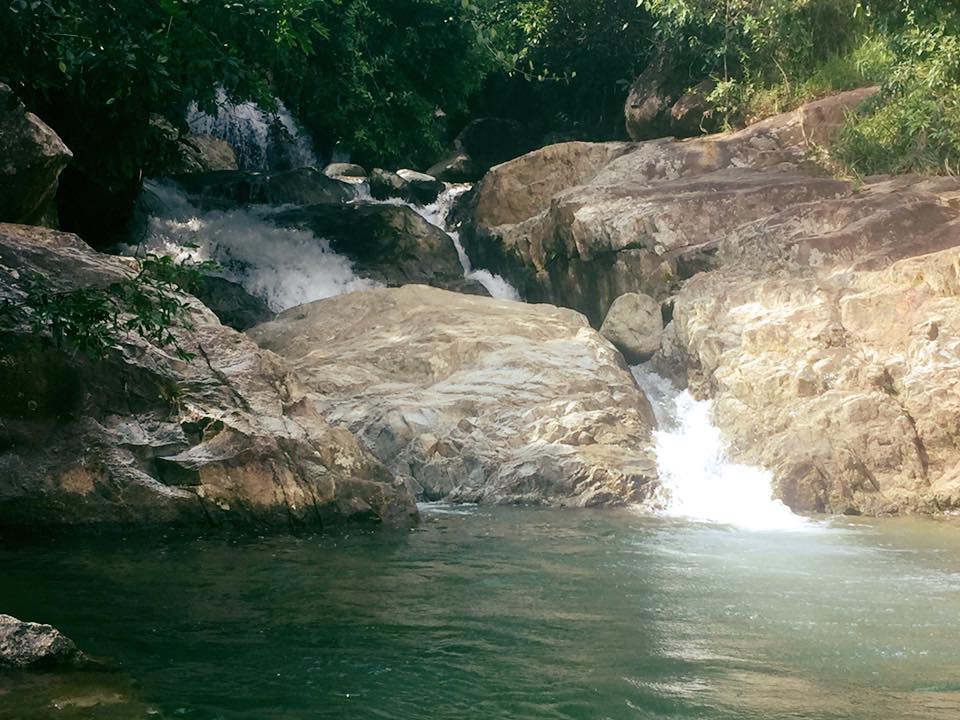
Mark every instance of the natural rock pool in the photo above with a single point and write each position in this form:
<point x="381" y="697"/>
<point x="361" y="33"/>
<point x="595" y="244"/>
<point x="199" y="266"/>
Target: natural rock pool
<point x="503" y="613"/>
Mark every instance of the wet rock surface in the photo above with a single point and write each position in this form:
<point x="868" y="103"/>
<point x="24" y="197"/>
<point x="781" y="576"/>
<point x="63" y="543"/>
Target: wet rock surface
<point x="142" y="437"/>
<point x="475" y="399"/>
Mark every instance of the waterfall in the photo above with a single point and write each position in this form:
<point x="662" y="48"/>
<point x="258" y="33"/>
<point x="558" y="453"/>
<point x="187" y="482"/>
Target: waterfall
<point x="699" y="482"/>
<point x="262" y="141"/>
<point x="436" y="213"/>
<point x="283" y="266"/>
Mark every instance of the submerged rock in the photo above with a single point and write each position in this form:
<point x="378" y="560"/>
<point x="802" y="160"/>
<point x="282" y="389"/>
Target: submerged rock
<point x="142" y="437"/>
<point x="390" y="244"/>
<point x="33" y="157"/>
<point x="475" y="399"/>
<point x="32" y="645"/>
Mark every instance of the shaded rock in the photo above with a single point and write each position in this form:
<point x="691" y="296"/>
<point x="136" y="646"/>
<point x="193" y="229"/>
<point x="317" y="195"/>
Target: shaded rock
<point x="457" y="167"/>
<point x="140" y="437"/>
<point x="231" y="303"/>
<point x="385" y="185"/>
<point x="692" y="113"/>
<point x="205" y="153"/>
<point x="648" y="102"/>
<point x="303" y="186"/>
<point x="475" y="399"/>
<point x="33" y="157"/>
<point x="423" y="189"/>
<point x="347" y="170"/>
<point x="492" y="140"/>
<point x="580" y="224"/>
<point x="634" y="325"/>
<point x="390" y="244"/>
<point x="32" y="645"/>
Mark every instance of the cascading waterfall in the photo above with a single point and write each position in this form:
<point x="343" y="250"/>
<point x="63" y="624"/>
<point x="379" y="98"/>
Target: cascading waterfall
<point x="283" y="266"/>
<point x="436" y="213"/>
<point x="262" y="141"/>
<point x="699" y="482"/>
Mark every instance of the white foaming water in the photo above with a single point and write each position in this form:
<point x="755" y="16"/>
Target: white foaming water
<point x="283" y="266"/>
<point x="436" y="214"/>
<point x="699" y="482"/>
<point x="262" y="141"/>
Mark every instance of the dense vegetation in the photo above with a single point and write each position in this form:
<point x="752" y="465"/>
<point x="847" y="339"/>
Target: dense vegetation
<point x="393" y="79"/>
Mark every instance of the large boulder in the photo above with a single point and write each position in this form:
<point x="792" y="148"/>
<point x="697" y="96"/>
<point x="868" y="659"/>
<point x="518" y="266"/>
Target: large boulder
<point x="143" y="436"/>
<point x="646" y="111"/>
<point x="634" y="325"/>
<point x="580" y="224"/>
<point x="226" y="189"/>
<point x="475" y="399"/>
<point x="829" y="337"/>
<point x="33" y="157"/>
<point x="205" y="153"/>
<point x="32" y="645"/>
<point x="390" y="244"/>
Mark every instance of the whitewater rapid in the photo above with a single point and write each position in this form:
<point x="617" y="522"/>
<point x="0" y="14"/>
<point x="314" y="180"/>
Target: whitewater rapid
<point x="699" y="481"/>
<point x="285" y="267"/>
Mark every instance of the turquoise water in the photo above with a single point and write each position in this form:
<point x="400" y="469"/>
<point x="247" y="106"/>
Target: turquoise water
<point x="501" y="613"/>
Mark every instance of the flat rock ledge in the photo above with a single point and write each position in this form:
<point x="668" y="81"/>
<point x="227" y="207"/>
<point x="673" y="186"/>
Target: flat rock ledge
<point x="475" y="399"/>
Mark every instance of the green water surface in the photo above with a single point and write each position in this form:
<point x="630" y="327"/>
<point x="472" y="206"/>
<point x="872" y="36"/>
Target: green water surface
<point x="494" y="613"/>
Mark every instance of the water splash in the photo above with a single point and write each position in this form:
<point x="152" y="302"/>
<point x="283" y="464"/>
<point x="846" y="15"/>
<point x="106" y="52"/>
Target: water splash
<point x="262" y="141"/>
<point x="437" y="213"/>
<point x="699" y="481"/>
<point x="283" y="266"/>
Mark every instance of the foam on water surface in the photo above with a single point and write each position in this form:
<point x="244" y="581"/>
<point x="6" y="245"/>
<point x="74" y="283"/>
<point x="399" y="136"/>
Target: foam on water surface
<point x="699" y="481"/>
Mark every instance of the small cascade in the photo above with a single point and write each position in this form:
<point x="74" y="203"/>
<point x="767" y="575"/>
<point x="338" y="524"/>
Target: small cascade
<point x="262" y="140"/>
<point x="283" y="266"/>
<point x="699" y="482"/>
<point x="436" y="213"/>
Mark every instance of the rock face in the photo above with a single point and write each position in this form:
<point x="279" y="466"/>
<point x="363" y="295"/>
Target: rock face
<point x="822" y="317"/>
<point x="829" y="337"/>
<point x="634" y="325"/>
<point x="142" y="437"/>
<point x="475" y="399"/>
<point x="408" y="185"/>
<point x="390" y="244"/>
<point x="204" y="153"/>
<point x="232" y="305"/>
<point x="31" y="645"/>
<point x="303" y="186"/>
<point x="579" y="224"/>
<point x="32" y="158"/>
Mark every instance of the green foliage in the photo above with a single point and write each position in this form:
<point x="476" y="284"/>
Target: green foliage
<point x="91" y="320"/>
<point x="914" y="124"/>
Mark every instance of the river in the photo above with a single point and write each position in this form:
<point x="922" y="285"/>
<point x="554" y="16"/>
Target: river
<point x="515" y="613"/>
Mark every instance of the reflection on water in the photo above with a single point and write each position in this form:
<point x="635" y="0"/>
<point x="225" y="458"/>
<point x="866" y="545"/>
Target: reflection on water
<point x="507" y="613"/>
